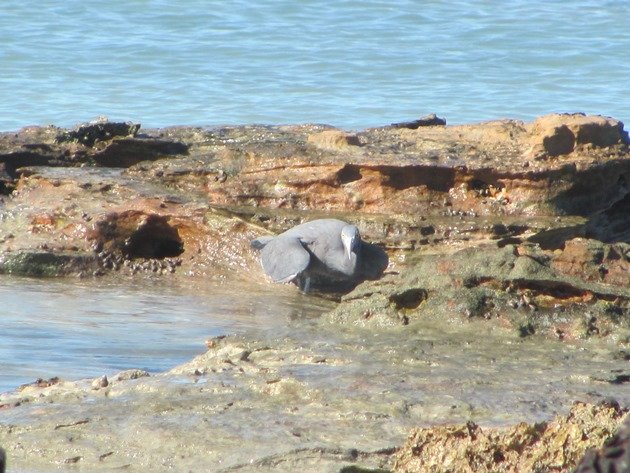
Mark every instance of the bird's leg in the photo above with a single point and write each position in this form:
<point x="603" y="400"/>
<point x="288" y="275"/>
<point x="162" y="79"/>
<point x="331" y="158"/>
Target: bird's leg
<point x="306" y="286"/>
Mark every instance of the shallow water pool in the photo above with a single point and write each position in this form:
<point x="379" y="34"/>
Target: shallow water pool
<point x="85" y="328"/>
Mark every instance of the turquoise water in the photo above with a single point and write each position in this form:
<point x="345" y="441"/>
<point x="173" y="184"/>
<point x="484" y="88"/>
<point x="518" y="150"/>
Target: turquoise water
<point x="351" y="64"/>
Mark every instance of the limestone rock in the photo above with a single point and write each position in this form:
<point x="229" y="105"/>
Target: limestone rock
<point x="334" y="139"/>
<point x="521" y="287"/>
<point x="613" y="456"/>
<point x="555" y="446"/>
<point x="560" y="134"/>
<point x="595" y="261"/>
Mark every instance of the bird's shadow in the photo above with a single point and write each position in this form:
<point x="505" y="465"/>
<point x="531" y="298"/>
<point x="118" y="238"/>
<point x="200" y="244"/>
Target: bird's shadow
<point x="372" y="263"/>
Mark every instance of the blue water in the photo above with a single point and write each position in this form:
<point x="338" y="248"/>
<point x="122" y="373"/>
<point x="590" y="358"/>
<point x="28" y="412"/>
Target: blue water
<point x="348" y="63"/>
<point x="87" y="328"/>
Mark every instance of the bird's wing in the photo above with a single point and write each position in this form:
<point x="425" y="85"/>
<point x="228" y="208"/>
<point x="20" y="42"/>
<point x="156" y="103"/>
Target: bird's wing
<point x="328" y="248"/>
<point x="260" y="242"/>
<point x="283" y="258"/>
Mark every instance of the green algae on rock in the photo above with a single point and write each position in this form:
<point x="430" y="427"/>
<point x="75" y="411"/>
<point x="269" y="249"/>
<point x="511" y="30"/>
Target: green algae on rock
<point x="47" y="263"/>
<point x="514" y="284"/>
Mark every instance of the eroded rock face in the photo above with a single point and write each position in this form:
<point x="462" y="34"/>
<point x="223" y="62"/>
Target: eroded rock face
<point x="593" y="260"/>
<point x="555" y="446"/>
<point x="519" y="226"/>
<point x="493" y="168"/>
<point x="559" y="134"/>
<point x="519" y="287"/>
<point x="613" y="456"/>
<point x="179" y="194"/>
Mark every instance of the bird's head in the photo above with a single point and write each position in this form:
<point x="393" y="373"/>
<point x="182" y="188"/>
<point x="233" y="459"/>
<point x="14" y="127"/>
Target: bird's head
<point x="351" y="239"/>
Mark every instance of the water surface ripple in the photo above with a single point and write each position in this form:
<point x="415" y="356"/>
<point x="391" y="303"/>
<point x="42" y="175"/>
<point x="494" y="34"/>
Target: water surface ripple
<point x="348" y="63"/>
<point x="76" y="329"/>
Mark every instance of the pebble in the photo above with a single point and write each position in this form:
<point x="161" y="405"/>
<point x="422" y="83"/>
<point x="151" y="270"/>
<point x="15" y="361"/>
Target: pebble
<point x="117" y="261"/>
<point x="101" y="382"/>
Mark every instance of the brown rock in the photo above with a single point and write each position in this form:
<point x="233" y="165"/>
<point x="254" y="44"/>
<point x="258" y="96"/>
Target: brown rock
<point x="334" y="139"/>
<point x="555" y="446"/>
<point x="593" y="260"/>
<point x="485" y="169"/>
<point x="613" y="457"/>
<point x="473" y="181"/>
<point x="560" y="134"/>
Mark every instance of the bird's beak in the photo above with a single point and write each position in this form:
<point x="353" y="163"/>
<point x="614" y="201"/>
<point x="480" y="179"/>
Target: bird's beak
<point x="349" y="245"/>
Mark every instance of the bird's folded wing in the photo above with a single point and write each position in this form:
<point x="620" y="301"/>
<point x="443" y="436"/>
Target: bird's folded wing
<point x="283" y="258"/>
<point x="260" y="242"/>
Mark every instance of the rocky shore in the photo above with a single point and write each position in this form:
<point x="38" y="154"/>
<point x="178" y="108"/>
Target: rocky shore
<point x="509" y="246"/>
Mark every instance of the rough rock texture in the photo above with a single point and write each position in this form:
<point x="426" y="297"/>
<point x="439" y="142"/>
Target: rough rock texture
<point x="517" y="286"/>
<point x="438" y="185"/>
<point x="510" y="228"/>
<point x="554" y="446"/>
<point x="293" y="402"/>
<point x="613" y="457"/>
<point x="505" y="168"/>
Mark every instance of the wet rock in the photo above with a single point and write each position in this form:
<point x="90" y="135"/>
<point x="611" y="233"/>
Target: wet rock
<point x="46" y="263"/>
<point x="429" y="120"/>
<point x="517" y="286"/>
<point x="554" y="446"/>
<point x="145" y="221"/>
<point x="190" y="198"/>
<point x="89" y="134"/>
<point x="318" y="399"/>
<point x="493" y="226"/>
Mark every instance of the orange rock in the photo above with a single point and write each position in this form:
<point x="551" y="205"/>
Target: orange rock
<point x="559" y="134"/>
<point x="334" y="139"/>
<point x="554" y="446"/>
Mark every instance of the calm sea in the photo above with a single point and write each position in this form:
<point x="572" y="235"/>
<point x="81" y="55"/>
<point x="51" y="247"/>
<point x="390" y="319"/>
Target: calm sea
<point x="348" y="63"/>
<point x="352" y="64"/>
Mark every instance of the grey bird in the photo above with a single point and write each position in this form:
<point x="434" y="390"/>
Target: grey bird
<point x="326" y="254"/>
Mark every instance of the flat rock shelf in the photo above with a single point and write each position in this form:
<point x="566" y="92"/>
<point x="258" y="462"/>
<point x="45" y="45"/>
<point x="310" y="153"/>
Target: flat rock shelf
<point x="506" y="299"/>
